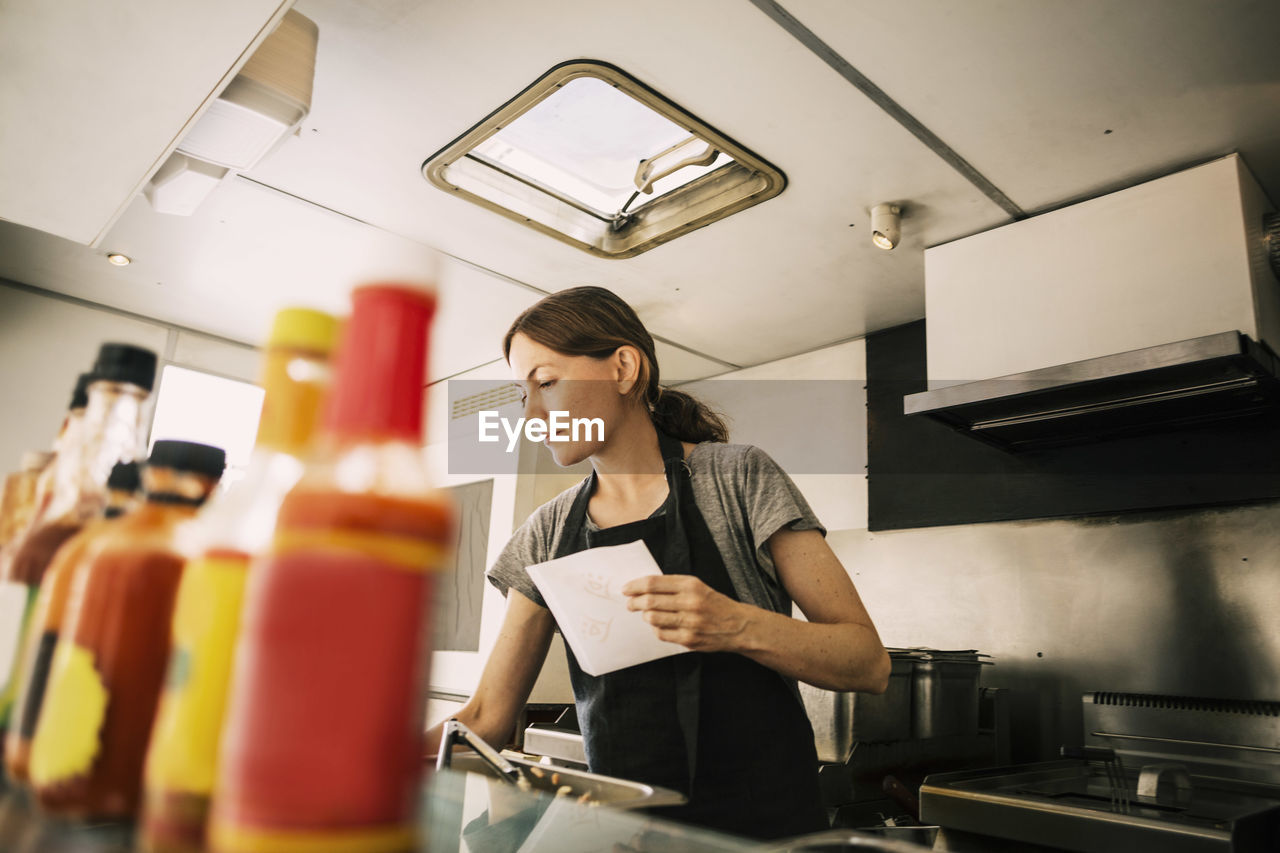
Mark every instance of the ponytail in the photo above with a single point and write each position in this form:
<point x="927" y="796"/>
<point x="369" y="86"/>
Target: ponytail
<point x="681" y="416"/>
<point x="594" y="322"/>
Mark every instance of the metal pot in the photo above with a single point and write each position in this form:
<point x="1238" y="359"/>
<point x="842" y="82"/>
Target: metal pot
<point x="841" y="719"/>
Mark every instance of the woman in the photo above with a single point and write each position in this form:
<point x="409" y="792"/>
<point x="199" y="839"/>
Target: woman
<point x="737" y="544"/>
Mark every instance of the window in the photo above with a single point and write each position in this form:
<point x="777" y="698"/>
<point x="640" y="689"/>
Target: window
<point x="196" y="406"/>
<point x="593" y="157"/>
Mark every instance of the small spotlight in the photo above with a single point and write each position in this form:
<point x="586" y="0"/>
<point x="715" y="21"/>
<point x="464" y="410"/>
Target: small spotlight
<point x="886" y="225"/>
<point x="119" y="259"/>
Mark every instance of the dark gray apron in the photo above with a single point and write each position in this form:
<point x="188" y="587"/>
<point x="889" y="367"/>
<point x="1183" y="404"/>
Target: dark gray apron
<point x="727" y="731"/>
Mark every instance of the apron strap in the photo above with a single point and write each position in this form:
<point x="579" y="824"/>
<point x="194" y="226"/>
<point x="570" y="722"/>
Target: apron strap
<point x="677" y="559"/>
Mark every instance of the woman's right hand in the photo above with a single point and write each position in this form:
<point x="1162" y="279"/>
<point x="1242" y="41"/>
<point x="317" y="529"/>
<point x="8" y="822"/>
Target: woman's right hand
<point x="508" y="676"/>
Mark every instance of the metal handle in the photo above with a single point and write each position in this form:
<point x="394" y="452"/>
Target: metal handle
<point x="1167" y="783"/>
<point x="454" y="732"/>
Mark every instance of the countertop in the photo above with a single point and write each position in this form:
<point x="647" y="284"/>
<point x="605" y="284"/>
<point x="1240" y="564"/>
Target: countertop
<point x="460" y="813"/>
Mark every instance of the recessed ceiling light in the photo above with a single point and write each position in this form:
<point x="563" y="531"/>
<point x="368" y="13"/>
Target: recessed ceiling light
<point x="119" y="259"/>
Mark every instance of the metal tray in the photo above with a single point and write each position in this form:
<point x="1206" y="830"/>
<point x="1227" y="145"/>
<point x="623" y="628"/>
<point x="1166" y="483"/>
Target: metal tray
<point x="549" y="778"/>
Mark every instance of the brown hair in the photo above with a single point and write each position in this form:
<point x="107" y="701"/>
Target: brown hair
<point x="594" y="322"/>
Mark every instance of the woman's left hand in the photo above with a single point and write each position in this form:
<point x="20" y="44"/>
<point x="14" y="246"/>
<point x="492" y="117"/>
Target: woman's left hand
<point x="682" y="609"/>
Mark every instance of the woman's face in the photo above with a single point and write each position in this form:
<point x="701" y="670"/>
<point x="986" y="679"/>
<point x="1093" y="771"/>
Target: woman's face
<point x="579" y="385"/>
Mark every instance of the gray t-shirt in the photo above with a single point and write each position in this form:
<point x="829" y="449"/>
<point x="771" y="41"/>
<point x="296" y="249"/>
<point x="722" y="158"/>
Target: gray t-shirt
<point x="743" y="496"/>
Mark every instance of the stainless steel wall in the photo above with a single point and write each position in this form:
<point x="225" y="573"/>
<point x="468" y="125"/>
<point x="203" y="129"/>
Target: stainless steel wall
<point x="1184" y="602"/>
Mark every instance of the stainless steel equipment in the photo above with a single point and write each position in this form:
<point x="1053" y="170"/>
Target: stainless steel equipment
<point x="455" y="732"/>
<point x="562" y="745"/>
<point x="1208" y="378"/>
<point x="841" y="720"/>
<point x="583" y="786"/>
<point x="1164" y="773"/>
<point x="944" y="692"/>
<point x="844" y="841"/>
<point x="931" y="693"/>
<point x="876" y="749"/>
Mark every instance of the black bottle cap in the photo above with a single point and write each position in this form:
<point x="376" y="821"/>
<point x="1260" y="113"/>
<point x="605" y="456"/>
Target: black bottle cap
<point x="188" y="456"/>
<point x="126" y="363"/>
<point x="124" y="477"/>
<point x="80" y="396"/>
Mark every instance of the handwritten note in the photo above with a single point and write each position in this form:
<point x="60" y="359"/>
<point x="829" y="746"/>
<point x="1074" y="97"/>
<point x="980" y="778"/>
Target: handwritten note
<point x="584" y="592"/>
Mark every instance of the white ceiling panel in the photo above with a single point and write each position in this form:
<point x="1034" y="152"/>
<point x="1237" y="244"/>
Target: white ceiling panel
<point x="94" y="95"/>
<point x="1027" y="90"/>
<point x="395" y="83"/>
<point x="1022" y="89"/>
<point x="249" y="251"/>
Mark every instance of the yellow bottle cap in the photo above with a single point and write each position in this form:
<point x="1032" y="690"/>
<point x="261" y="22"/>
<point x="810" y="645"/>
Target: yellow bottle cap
<point x="304" y="329"/>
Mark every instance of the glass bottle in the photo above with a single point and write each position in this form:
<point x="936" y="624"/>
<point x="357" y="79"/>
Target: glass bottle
<point x="109" y="663"/>
<point x="122" y="380"/>
<point x="47" y="617"/>
<point x="236" y="526"/>
<point x="33" y="547"/>
<point x="323" y="731"/>
<point x="16" y="510"/>
<point x="19" y="501"/>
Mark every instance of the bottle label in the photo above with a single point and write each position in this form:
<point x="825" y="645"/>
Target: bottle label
<point x="206" y="621"/>
<point x="14" y="598"/>
<point x="332" y="654"/>
<point x="29" y="713"/>
<point x="68" y="738"/>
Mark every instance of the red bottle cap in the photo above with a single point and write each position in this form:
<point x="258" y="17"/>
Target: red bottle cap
<point x="382" y="365"/>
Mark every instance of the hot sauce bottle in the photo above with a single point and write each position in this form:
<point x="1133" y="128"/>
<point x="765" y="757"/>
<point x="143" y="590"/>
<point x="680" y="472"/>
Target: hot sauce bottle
<point x="19" y="502"/>
<point x="47" y="615"/>
<point x="110" y="432"/>
<point x="323" y="732"/>
<point x="33" y="491"/>
<point x="16" y="510"/>
<point x="236" y="525"/>
<point x="109" y="663"/>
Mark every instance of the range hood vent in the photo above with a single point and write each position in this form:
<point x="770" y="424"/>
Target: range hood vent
<point x="1226" y="375"/>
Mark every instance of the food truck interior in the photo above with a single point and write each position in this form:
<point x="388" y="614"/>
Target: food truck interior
<point x="997" y="283"/>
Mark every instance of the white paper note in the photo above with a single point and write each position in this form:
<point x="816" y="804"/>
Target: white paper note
<point x="584" y="592"/>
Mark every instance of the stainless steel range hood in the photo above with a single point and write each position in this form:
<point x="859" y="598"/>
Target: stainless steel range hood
<point x="1207" y="378"/>
<point x="1150" y="307"/>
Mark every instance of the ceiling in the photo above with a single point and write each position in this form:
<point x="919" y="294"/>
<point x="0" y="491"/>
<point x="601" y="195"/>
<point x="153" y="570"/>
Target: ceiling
<point x="1046" y="101"/>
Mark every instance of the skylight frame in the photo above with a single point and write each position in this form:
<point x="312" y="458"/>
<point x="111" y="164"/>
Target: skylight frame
<point x="746" y="181"/>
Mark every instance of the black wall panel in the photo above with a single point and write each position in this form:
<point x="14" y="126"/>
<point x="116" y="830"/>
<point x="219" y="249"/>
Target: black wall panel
<point x="923" y="474"/>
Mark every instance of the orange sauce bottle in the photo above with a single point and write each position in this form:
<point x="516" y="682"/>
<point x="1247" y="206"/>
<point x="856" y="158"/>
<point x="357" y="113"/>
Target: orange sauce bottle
<point x="75" y="484"/>
<point x="46" y="619"/>
<point x="109" y="663"/>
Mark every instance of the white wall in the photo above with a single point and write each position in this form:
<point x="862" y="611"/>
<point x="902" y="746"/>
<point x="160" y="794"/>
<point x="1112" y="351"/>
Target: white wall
<point x="46" y="341"/>
<point x="830" y="417"/>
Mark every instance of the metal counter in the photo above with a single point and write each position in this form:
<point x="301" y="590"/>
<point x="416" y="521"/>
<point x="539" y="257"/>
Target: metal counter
<point x="459" y="812"/>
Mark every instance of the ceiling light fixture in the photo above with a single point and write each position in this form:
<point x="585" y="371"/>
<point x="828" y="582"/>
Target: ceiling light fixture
<point x="886" y="225"/>
<point x="119" y="259"/>
<point x="261" y="106"/>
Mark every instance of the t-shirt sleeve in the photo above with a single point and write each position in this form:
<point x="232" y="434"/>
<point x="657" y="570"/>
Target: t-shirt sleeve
<point x="773" y="502"/>
<point x="530" y="544"/>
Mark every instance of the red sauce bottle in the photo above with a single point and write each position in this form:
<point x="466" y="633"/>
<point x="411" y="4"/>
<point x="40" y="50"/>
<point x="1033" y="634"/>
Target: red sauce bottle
<point x="110" y="659"/>
<point x="322" y="740"/>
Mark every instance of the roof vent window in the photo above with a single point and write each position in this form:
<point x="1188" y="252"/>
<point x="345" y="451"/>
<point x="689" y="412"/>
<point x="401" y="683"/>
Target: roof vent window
<point x="594" y="158"/>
